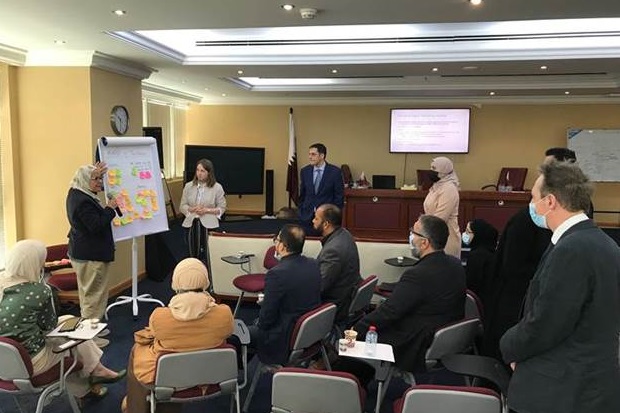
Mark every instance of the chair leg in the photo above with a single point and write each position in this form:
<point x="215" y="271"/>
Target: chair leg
<point x="326" y="362"/>
<point x="45" y="394"/>
<point x="74" y="406"/>
<point x="238" y="303"/>
<point x="236" y="400"/>
<point x="248" y="397"/>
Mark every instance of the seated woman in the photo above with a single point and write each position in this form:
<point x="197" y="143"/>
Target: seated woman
<point x="192" y="321"/>
<point x="27" y="301"/>
<point x="481" y="237"/>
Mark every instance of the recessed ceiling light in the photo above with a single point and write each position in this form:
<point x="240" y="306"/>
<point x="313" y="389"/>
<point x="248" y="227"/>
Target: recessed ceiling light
<point x="492" y="93"/>
<point x="119" y="12"/>
<point x="470" y="67"/>
<point x="224" y="95"/>
<point x="206" y="88"/>
<point x="435" y="69"/>
<point x="334" y="71"/>
<point x="60" y="42"/>
<point x="567" y="93"/>
<point x="543" y="67"/>
<point x="288" y="7"/>
<point x="239" y="72"/>
<point x="184" y="81"/>
<point x="475" y="2"/>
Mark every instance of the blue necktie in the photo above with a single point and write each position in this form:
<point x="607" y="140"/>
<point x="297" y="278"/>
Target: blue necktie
<point x="317" y="180"/>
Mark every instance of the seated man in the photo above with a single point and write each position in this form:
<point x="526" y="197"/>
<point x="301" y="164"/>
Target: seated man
<point x="338" y="259"/>
<point x="429" y="295"/>
<point x="292" y="288"/>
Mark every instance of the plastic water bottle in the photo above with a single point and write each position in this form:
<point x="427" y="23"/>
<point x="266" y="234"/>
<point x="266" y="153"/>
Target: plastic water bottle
<point x="370" y="347"/>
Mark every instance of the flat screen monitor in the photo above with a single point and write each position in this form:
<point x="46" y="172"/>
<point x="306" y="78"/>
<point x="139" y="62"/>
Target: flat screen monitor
<point x="239" y="170"/>
<point x="429" y="131"/>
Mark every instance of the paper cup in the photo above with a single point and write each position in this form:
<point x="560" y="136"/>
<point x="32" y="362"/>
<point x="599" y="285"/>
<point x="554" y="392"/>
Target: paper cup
<point x="342" y="344"/>
<point x="350" y="336"/>
<point x="400" y="259"/>
<point x="94" y="323"/>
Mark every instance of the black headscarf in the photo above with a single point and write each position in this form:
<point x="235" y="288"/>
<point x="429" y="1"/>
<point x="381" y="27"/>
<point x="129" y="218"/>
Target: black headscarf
<point x="485" y="235"/>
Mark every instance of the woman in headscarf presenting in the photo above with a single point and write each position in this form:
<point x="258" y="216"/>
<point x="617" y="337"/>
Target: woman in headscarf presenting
<point x="443" y="201"/>
<point x="191" y="322"/>
<point x="91" y="246"/>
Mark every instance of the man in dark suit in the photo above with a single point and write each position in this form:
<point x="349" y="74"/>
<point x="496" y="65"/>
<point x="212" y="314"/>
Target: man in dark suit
<point x="564" y="351"/>
<point x="338" y="259"/>
<point x="428" y="295"/>
<point x="292" y="288"/>
<point x="321" y="183"/>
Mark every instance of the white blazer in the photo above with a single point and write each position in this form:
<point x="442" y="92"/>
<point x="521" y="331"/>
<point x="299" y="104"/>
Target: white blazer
<point x="211" y="198"/>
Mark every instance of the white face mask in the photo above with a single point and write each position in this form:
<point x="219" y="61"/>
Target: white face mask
<point x="410" y="239"/>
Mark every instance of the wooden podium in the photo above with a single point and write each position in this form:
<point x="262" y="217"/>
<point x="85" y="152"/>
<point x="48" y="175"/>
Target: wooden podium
<point x="389" y="213"/>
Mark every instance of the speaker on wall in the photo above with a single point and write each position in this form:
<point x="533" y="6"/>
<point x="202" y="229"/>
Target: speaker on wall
<point x="269" y="192"/>
<point x="157" y="133"/>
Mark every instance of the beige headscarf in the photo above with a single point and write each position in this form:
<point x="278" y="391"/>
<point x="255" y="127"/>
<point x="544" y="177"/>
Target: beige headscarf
<point x="24" y="263"/>
<point x="81" y="180"/>
<point x="190" y="275"/>
<point x="445" y="169"/>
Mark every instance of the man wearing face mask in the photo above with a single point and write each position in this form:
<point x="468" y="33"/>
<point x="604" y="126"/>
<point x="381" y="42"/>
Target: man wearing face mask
<point x="428" y="295"/>
<point x="442" y="201"/>
<point x="292" y="288"/>
<point x="564" y="350"/>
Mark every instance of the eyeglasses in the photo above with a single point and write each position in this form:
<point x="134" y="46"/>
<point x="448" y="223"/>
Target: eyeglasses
<point x="418" y="234"/>
<point x="97" y="179"/>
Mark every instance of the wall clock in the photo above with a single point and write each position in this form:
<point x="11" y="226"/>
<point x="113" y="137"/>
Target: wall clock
<point x="119" y="119"/>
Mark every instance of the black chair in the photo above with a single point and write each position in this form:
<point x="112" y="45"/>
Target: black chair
<point x="510" y="179"/>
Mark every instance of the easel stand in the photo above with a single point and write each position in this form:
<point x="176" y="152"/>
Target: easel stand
<point x="169" y="201"/>
<point x="135" y="298"/>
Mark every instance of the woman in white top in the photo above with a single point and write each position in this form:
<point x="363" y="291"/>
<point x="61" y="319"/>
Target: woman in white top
<point x="203" y="203"/>
<point x="442" y="201"/>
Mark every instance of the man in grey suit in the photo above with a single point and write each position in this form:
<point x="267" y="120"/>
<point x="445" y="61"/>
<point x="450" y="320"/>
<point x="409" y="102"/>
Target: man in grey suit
<point x="564" y="351"/>
<point x="339" y="260"/>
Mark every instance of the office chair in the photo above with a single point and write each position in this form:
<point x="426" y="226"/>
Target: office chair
<point x="196" y="375"/>
<point x="254" y="282"/>
<point x="448" y="399"/>
<point x="306" y="341"/>
<point x="315" y="391"/>
<point x="510" y="179"/>
<point x="16" y="375"/>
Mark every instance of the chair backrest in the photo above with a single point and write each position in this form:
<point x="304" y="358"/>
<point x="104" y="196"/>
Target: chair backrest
<point x="312" y="327"/>
<point x="514" y="177"/>
<point x="453" y="338"/>
<point x="194" y="368"/>
<point x="473" y="305"/>
<point x="363" y="294"/>
<point x="270" y="261"/>
<point x="316" y="391"/>
<point x="15" y="360"/>
<point x="449" y="399"/>
<point x="57" y="252"/>
<point x="424" y="178"/>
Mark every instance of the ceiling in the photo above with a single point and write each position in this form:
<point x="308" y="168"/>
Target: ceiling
<point x="477" y="60"/>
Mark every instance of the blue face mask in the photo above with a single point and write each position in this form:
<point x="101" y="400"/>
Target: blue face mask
<point x="466" y="238"/>
<point x="538" y="220"/>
